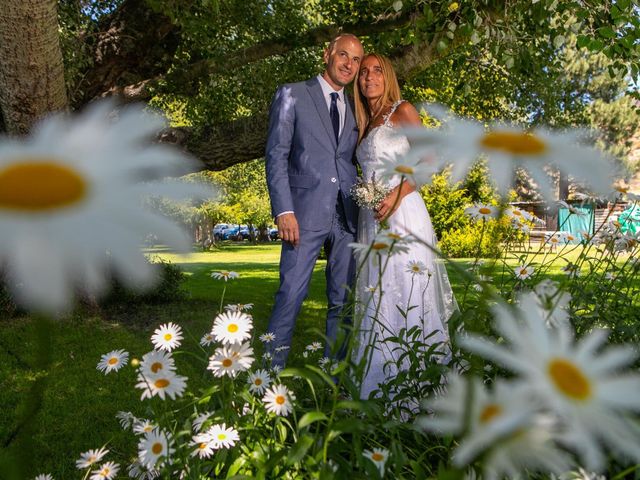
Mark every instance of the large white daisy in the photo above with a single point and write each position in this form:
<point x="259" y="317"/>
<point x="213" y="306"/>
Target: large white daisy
<point x="87" y="459"/>
<point x="155" y="449"/>
<point x="588" y="390"/>
<point x="167" y="337"/>
<point x="203" y="445"/>
<point x="72" y="191"/>
<point x="113" y="361"/>
<point x="379" y="457"/>
<point x="461" y="142"/>
<point x="232" y="327"/>
<point x="231" y="359"/>
<point x="225" y="275"/>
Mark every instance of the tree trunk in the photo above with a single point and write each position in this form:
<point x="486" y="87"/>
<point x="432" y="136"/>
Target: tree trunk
<point x="31" y="69"/>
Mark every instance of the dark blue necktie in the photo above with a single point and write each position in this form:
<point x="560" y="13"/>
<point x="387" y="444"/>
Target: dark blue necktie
<point x="335" y="116"/>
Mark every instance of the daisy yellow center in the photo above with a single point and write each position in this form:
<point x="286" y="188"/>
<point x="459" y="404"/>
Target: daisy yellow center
<point x="394" y="236"/>
<point x="92" y="458"/>
<point x="489" y="412"/>
<point x="232" y="328"/>
<point x="404" y="169"/>
<point x="227" y="362"/>
<point x="569" y="379"/>
<point x="379" y="246"/>
<point x="168" y="336"/>
<point x="519" y="143"/>
<point x="105" y="471"/>
<point x="517" y="213"/>
<point x="415" y="268"/>
<point x="377" y="457"/>
<point x="147" y="429"/>
<point x="162" y="383"/>
<point x="622" y="189"/>
<point x="484" y="210"/>
<point x="203" y="446"/>
<point x="156" y="448"/>
<point x="258" y="381"/>
<point x="113" y="360"/>
<point x="156" y="367"/>
<point x="280" y="399"/>
<point x="38" y="184"/>
<point x="222" y="436"/>
<point x="523" y="271"/>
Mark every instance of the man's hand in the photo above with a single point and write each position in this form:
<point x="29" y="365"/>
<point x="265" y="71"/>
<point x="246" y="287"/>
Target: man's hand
<point x="288" y="228"/>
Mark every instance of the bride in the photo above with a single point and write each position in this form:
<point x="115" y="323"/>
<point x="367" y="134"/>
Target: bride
<point x="413" y="281"/>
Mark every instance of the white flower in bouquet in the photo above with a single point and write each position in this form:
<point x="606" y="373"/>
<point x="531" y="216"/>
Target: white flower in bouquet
<point x="232" y="327"/>
<point x="157" y="361"/>
<point x="106" y="471"/>
<point x="74" y="190"/>
<point x="113" y="361"/>
<point x="461" y="142"/>
<point x="223" y="436"/>
<point x="259" y="381"/>
<point x="164" y="383"/>
<point x="225" y="275"/>
<point x="378" y="456"/>
<point x="87" y="459"/>
<point x="167" y="337"/>
<point x="592" y="390"/>
<point x="369" y="194"/>
<point x="278" y="400"/>
<point x="155" y="449"/>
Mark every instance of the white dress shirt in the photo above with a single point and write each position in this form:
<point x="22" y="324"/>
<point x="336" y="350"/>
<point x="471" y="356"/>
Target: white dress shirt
<point x="327" y="90"/>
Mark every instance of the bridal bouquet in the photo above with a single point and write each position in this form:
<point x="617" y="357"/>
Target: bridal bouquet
<point x="369" y="194"/>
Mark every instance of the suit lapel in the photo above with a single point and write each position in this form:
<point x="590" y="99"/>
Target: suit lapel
<point x="321" y="105"/>
<point x="349" y="120"/>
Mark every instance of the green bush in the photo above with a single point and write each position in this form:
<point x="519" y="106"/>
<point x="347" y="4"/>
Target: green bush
<point x="168" y="288"/>
<point x="465" y="241"/>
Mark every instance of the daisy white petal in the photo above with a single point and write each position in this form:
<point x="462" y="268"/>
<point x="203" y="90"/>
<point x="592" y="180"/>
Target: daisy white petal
<point x="225" y="275"/>
<point x="379" y="457"/>
<point x="416" y="267"/>
<point x="143" y="426"/>
<point x="204" y="445"/>
<point x="72" y="189"/>
<point x="278" y="400"/>
<point x="155" y="449"/>
<point x="161" y="384"/>
<point x="223" y="436"/>
<point x="232" y="327"/>
<point x="314" y="346"/>
<point x="167" y="337"/>
<point x="126" y="419"/>
<point x="481" y="211"/>
<point x="88" y="458"/>
<point x="113" y="361"/>
<point x="239" y="307"/>
<point x="267" y="337"/>
<point x="259" y="381"/>
<point x="207" y="339"/>
<point x="200" y="421"/>
<point x="523" y="272"/>
<point x="106" y="471"/>
<point x="140" y="472"/>
<point x="156" y="362"/>
<point x="231" y="359"/>
<point x="44" y="476"/>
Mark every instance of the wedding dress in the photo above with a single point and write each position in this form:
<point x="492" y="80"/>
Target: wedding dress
<point x="428" y="290"/>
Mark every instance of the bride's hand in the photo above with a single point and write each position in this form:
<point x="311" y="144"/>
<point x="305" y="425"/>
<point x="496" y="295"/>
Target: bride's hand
<point x="392" y="201"/>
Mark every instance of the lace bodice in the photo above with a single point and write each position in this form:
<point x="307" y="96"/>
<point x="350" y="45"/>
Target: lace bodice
<point x="382" y="143"/>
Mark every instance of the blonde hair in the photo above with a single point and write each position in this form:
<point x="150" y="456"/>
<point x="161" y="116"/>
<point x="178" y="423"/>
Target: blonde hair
<point x="390" y="94"/>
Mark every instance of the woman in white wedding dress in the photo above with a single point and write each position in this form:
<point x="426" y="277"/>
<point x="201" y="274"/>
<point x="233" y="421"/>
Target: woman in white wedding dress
<point x="414" y="280"/>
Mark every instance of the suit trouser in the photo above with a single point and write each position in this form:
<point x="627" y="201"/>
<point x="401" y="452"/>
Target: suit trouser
<point x="296" y="269"/>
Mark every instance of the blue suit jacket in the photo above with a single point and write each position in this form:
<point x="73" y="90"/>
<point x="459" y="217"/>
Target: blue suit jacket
<point x="306" y="170"/>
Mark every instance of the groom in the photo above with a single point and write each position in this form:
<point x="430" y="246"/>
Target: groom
<point x="309" y="163"/>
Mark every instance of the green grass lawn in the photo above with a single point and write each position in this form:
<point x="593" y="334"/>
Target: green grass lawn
<point x="80" y="403"/>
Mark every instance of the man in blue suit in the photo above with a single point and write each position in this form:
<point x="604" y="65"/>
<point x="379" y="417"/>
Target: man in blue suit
<point x="310" y="170"/>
